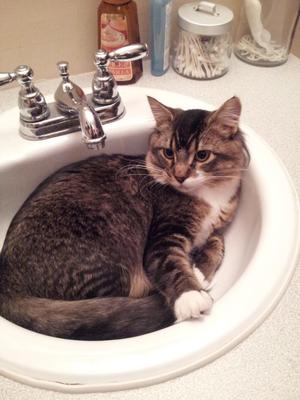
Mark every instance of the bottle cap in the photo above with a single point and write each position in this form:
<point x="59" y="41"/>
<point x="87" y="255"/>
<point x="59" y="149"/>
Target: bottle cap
<point x="205" y="18"/>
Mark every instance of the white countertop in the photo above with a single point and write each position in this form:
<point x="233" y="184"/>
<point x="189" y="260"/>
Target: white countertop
<point x="266" y="366"/>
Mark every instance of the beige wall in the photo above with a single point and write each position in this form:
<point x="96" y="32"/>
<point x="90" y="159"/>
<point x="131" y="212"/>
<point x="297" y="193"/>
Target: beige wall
<point x="42" y="32"/>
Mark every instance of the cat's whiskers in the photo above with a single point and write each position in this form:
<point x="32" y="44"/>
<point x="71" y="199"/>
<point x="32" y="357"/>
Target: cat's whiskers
<point x="157" y="173"/>
<point x="154" y="187"/>
<point x="156" y="176"/>
<point x="136" y="170"/>
<point x="142" y="162"/>
<point x="204" y="180"/>
<point x="235" y="169"/>
<point x="137" y="174"/>
<point x="150" y="169"/>
<point x="131" y="167"/>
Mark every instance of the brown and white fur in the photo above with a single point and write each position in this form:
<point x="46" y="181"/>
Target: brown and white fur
<point x="116" y="246"/>
<point x="217" y="190"/>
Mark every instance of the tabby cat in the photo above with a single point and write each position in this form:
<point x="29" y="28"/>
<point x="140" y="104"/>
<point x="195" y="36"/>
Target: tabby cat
<point x="116" y="246"/>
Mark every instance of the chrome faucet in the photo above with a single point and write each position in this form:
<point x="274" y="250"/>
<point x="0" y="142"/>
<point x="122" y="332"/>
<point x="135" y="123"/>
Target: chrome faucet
<point x="73" y="109"/>
<point x="32" y="104"/>
<point x="70" y="99"/>
<point x="104" y="86"/>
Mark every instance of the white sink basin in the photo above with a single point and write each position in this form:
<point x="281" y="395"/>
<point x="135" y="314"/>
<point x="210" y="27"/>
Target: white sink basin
<point x="261" y="251"/>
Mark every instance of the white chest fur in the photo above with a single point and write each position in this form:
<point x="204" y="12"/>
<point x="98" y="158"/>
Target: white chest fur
<point x="219" y="200"/>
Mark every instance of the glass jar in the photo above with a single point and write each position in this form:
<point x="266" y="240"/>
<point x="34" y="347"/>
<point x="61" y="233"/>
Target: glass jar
<point x="265" y="31"/>
<point x="204" y="44"/>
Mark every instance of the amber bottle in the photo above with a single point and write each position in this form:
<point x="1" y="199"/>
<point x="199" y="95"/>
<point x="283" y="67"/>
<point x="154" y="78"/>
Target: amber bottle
<point x="117" y="27"/>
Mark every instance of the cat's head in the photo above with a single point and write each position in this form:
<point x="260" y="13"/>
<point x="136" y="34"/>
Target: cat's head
<point x="190" y="149"/>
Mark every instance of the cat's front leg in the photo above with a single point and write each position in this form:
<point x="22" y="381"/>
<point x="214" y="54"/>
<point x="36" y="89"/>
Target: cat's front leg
<point x="208" y="259"/>
<point x="206" y="262"/>
<point x="170" y="271"/>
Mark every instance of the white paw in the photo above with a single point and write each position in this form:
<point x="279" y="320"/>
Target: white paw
<point x="201" y="278"/>
<point x="192" y="304"/>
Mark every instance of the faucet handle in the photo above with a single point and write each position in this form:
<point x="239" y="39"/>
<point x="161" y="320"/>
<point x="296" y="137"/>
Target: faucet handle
<point x="32" y="104"/>
<point x="101" y="58"/>
<point x="104" y="86"/>
<point x="7" y="77"/>
<point x="130" y="52"/>
<point x="23" y="74"/>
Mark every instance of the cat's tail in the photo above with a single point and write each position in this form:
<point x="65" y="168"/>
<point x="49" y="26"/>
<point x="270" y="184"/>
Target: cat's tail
<point x="91" y="319"/>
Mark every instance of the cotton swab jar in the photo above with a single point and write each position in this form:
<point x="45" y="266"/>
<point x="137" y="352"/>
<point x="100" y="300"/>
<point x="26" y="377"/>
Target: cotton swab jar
<point x="204" y="44"/>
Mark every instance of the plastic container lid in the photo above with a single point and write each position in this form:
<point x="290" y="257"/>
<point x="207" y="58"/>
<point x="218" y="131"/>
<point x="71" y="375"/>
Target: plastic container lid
<point x="205" y="18"/>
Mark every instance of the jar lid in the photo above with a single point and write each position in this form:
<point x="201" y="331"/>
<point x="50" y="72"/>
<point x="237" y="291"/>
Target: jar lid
<point x="205" y="18"/>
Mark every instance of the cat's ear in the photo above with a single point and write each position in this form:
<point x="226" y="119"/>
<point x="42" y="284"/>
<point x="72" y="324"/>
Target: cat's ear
<point x="227" y="117"/>
<point x="160" y="112"/>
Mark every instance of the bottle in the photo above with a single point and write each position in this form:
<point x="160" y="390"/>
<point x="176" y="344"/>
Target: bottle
<point x="160" y="35"/>
<point x="118" y="27"/>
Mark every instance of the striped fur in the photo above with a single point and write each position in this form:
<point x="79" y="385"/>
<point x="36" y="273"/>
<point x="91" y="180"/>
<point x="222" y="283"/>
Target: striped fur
<point x="113" y="246"/>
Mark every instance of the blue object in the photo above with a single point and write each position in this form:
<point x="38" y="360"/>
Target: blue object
<point x="160" y="35"/>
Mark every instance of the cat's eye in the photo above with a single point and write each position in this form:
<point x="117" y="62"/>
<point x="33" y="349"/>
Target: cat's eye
<point x="203" y="155"/>
<point x="168" y="153"/>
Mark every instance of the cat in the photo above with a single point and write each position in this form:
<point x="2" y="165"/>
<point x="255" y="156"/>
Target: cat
<point x="118" y="246"/>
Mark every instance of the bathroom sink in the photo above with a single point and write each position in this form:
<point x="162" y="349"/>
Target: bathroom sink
<point x="261" y="250"/>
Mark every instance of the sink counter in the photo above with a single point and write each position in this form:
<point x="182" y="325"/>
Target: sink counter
<point x="265" y="366"/>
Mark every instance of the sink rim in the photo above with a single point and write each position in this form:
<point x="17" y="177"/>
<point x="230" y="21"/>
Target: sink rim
<point x="191" y="356"/>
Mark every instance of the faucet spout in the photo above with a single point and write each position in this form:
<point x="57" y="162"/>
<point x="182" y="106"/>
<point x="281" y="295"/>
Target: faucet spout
<point x="70" y="99"/>
<point x="91" y="127"/>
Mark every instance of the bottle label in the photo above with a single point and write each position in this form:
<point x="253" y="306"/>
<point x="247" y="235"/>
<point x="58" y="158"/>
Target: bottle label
<point x="167" y="35"/>
<point x="114" y="34"/>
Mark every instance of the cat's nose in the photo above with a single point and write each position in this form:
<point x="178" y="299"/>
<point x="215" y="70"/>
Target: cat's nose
<point x="180" y="179"/>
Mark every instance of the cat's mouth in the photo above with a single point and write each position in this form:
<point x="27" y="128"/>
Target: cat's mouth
<point x="190" y="184"/>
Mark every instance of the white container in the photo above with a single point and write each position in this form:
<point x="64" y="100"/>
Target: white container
<point x="204" y="43"/>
